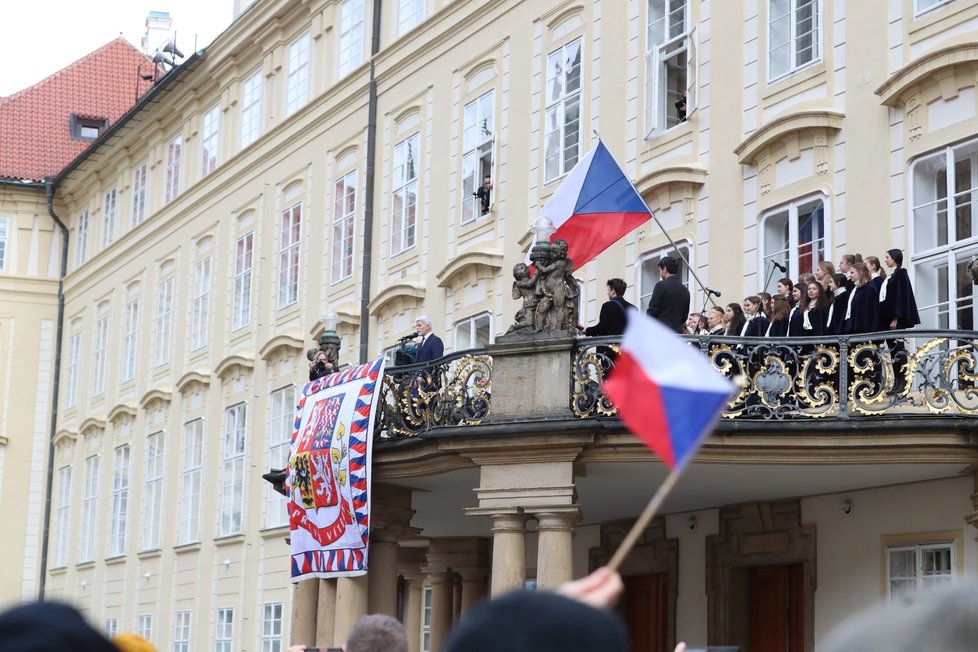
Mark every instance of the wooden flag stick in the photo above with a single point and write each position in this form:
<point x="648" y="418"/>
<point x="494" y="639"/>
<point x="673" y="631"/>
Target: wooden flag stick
<point x="647" y="515"/>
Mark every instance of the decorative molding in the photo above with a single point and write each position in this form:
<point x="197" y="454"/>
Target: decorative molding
<point x="153" y="395"/>
<point x="284" y="341"/>
<point x="900" y="83"/>
<point x="491" y="259"/>
<point x="202" y="378"/>
<point x="749" y="151"/>
<point x="64" y="436"/>
<point x="234" y="360"/>
<point x="395" y="291"/>
<point x="121" y="409"/>
<point x="91" y="423"/>
<point x="692" y="175"/>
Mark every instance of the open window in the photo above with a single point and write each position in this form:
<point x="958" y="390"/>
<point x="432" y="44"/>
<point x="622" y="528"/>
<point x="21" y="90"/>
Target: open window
<point x="670" y="66"/>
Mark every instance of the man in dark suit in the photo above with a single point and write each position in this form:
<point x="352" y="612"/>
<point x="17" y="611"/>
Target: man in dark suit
<point x="431" y="347"/>
<point x="614" y="311"/>
<point x="670" y="298"/>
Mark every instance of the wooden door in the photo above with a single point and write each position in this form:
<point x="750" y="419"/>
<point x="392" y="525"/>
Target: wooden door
<point x="776" y="608"/>
<point x="647" y="612"/>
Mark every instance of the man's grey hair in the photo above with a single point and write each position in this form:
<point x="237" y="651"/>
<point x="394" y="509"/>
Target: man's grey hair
<point x="944" y="619"/>
<point x="423" y="319"/>
<point x="377" y="633"/>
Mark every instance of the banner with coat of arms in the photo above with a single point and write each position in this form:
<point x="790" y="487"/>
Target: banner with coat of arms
<point x="329" y="473"/>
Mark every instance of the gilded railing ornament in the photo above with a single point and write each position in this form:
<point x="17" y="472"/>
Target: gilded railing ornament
<point x="590" y="368"/>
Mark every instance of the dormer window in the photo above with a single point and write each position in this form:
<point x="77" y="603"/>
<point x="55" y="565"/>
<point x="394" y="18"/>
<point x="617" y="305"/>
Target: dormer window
<point x="87" y="129"/>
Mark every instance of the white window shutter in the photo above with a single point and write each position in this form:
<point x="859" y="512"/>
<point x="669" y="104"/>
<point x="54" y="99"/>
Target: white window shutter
<point x="651" y="92"/>
<point x="692" y="51"/>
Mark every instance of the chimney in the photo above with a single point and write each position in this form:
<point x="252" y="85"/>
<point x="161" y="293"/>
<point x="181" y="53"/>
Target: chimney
<point x="157" y="31"/>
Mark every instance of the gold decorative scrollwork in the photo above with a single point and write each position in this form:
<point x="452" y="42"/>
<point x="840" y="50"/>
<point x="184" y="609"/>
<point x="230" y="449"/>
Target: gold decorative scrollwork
<point x="589" y="369"/>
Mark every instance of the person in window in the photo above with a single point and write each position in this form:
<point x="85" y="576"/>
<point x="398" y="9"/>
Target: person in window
<point x="862" y="311"/>
<point x="484" y="194"/>
<point x="735" y="319"/>
<point x="755" y="323"/>
<point x="680" y="105"/>
<point x="796" y="317"/>
<point x="780" y="309"/>
<point x="670" y="298"/>
<point x="431" y="347"/>
<point x="839" y="286"/>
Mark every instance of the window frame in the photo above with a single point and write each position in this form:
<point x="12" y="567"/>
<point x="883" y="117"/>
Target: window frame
<point x="130" y="341"/>
<point x="404" y="223"/>
<point x="100" y="360"/>
<point x="298" y="60"/>
<point x="231" y="512"/>
<point x="344" y="227"/>
<point x="657" y="56"/>
<point x="144" y="626"/>
<point x="4" y="241"/>
<point x="479" y="149"/>
<point x="200" y="304"/>
<point x="951" y="544"/>
<point x="121" y="477"/>
<point x="272" y="627"/>
<point x="109" y="214"/>
<point x="472" y="322"/>
<point x="682" y="246"/>
<point x="417" y="14"/>
<point x="174" y="160"/>
<point x="281" y="418"/>
<point x="290" y="234"/>
<point x="251" y="103"/>
<point x="163" y="344"/>
<point x="793" y="257"/>
<point x="191" y="476"/>
<point x="244" y="260"/>
<point x="918" y="12"/>
<point x="72" y="369"/>
<point x="557" y="106"/>
<point x="182" y="630"/>
<point x="224" y="629"/>
<point x="62" y="518"/>
<point x="140" y="182"/>
<point x="210" y="139"/>
<point x="81" y="238"/>
<point x="817" y="45"/>
<point x="155" y="464"/>
<point x="89" y="529"/>
<point x="350" y="41"/>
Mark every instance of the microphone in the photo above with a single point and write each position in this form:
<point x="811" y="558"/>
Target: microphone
<point x="713" y="292"/>
<point x="784" y="270"/>
<point x="409" y="337"/>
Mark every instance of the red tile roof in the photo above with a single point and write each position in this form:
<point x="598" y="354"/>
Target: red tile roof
<point x="35" y="123"/>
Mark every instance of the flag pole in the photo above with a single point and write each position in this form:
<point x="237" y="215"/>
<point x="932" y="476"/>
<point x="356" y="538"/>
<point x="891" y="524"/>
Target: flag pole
<point x="643" y="521"/>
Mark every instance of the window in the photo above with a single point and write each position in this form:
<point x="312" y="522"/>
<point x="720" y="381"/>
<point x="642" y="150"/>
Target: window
<point x="426" y="619"/>
<point x="281" y="421"/>
<point x="944" y="217"/>
<point x="562" y="131"/>
<point x="86" y="551"/>
<point x="288" y="258"/>
<point x="232" y="471"/>
<point x="670" y="65"/>
<point x="174" y="154"/>
<point x="191" y="468"/>
<point x="409" y="14"/>
<point x="120" y="502"/>
<point x="86" y="129"/>
<point x="793" y="38"/>
<point x="4" y="236"/>
<point x="71" y="377"/>
<point x="405" y="199"/>
<point x="473" y="333"/>
<point x="916" y="567"/>
<point x="164" y="322"/>
<point x="344" y="212"/>
<point x="81" y="238"/>
<point x="201" y="303"/>
<point x="139" y="184"/>
<point x="794" y="236"/>
<point x="144" y="626"/>
<point x="108" y="218"/>
<point x="101" y="355"/>
<point x="129" y="335"/>
<point x="210" y="140"/>
<point x="243" y="257"/>
<point x="181" y="631"/>
<point x="479" y="125"/>
<point x="62" y="522"/>
<point x="153" y="494"/>
<point x="297" y="80"/>
<point x="351" y="35"/>
<point x="923" y="6"/>
<point x="224" y="630"/>
<point x="111" y="627"/>
<point x="649" y="273"/>
<point x="251" y="109"/>
<point x="271" y="627"/>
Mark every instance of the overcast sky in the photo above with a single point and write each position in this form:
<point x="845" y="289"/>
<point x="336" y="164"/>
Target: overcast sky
<point x="40" y="37"/>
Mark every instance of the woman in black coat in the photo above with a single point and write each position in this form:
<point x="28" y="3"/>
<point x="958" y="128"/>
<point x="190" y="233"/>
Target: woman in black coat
<point x="796" y="317"/>
<point x="862" y="312"/>
<point x="757" y="323"/>
<point x="817" y="315"/>
<point x="898" y="307"/>
<point x="839" y="286"/>
<point x="735" y="319"/>
<point x="780" y="308"/>
<point x="876" y="271"/>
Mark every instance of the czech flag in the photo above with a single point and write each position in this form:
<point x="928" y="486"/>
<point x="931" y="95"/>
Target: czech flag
<point x="595" y="206"/>
<point x="667" y="393"/>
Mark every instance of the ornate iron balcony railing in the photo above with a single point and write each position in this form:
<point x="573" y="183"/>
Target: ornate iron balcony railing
<point x="892" y="373"/>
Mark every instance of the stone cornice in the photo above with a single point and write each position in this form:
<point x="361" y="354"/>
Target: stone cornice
<point x="923" y="68"/>
<point x="771" y="132"/>
<point x="91" y="423"/>
<point x="391" y="292"/>
<point x="201" y="377"/>
<point x="283" y="341"/>
<point x="688" y="174"/>
<point x="232" y="361"/>
<point x="164" y="396"/>
<point x="121" y="409"/>
<point x="491" y="258"/>
<point x="64" y="436"/>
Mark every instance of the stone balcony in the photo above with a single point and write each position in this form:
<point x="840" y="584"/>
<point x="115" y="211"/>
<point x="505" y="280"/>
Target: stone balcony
<point x="922" y="379"/>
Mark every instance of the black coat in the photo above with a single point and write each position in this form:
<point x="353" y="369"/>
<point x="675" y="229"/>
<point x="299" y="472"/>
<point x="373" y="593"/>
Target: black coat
<point x="670" y="303"/>
<point x="796" y="321"/>
<point x="864" y="317"/>
<point x="899" y="302"/>
<point x="757" y="327"/>
<point x="779" y="328"/>
<point x="840" y="302"/>
<point x="613" y="318"/>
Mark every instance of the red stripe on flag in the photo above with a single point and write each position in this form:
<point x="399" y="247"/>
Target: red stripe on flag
<point x="589" y="234"/>
<point x="640" y="406"/>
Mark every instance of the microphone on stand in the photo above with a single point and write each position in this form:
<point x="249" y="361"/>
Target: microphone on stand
<point x="784" y="270"/>
<point x="713" y="292"/>
<point x="409" y="337"/>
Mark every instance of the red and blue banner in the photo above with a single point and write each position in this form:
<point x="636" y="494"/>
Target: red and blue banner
<point x="329" y="473"/>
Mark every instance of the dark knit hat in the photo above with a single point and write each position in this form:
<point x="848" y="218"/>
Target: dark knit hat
<point x="525" y="621"/>
<point x="49" y="627"/>
<point x="897" y="256"/>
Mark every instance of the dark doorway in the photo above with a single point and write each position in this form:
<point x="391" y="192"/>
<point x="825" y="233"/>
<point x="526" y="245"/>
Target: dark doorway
<point x="776" y="611"/>
<point x="646" y="607"/>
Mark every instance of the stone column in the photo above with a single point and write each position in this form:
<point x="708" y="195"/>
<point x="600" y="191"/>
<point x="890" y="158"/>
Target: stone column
<point x="351" y="605"/>
<point x="411" y="616"/>
<point x="554" y="549"/>
<point x="326" y="614"/>
<point x="305" y="604"/>
<point x="474" y="585"/>
<point x="442" y="611"/>
<point x="382" y="578"/>
<point x="508" y="548"/>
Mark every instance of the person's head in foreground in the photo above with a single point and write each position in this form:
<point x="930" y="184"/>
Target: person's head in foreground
<point x="941" y="620"/>
<point x="49" y="627"/>
<point x="377" y="633"/>
<point x="129" y="642"/>
<point x="525" y="621"/>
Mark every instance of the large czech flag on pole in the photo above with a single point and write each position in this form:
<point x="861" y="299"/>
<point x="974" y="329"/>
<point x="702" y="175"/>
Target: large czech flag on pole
<point x="667" y="393"/>
<point x="594" y="206"/>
